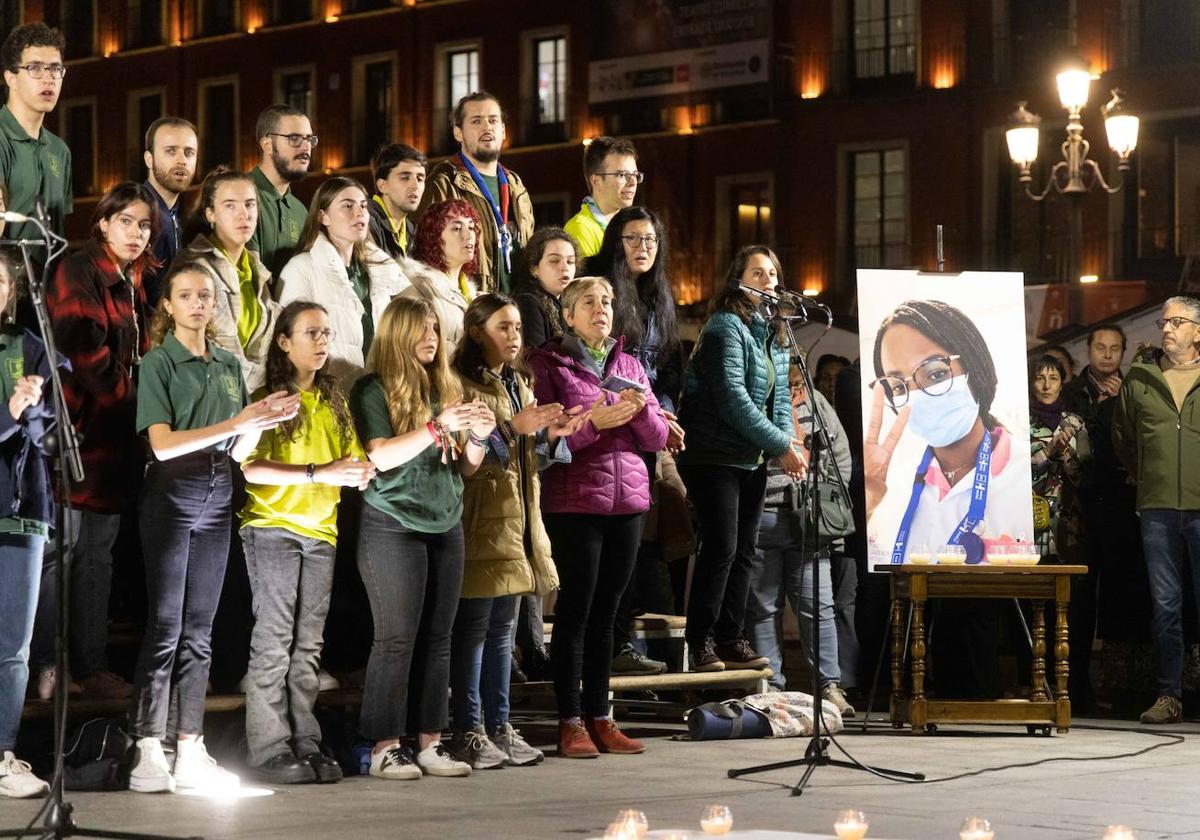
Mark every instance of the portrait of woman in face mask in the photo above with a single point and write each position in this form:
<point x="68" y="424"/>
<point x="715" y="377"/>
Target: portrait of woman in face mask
<point x="935" y="375"/>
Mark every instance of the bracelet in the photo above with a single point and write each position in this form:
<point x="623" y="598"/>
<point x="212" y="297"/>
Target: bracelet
<point x="432" y="428"/>
<point x="310" y="472"/>
<point x="481" y="442"/>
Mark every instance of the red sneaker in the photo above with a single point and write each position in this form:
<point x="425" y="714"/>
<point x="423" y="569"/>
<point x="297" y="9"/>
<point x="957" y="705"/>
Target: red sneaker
<point x="609" y="738"/>
<point x="574" y="741"/>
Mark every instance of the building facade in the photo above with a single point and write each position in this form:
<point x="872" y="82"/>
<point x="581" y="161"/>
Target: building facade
<point x="842" y="131"/>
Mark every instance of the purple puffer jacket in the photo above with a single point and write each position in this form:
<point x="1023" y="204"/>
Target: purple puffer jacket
<point x="607" y="474"/>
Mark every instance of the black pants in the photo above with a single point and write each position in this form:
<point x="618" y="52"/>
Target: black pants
<point x="185" y="513"/>
<point x="595" y="556"/>
<point x="728" y="503"/>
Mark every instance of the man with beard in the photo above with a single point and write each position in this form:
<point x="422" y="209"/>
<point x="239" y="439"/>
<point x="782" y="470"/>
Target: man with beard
<point x="170" y="156"/>
<point x="286" y="141"/>
<point x="34" y="164"/>
<point x="398" y="171"/>
<point x="497" y="194"/>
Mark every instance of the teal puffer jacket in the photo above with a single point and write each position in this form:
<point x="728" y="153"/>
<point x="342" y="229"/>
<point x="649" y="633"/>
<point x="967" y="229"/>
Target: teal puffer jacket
<point x="724" y="411"/>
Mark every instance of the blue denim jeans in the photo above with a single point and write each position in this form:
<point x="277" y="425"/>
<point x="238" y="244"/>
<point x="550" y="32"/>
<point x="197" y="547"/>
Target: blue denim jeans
<point x="783" y="571"/>
<point x="481" y="661"/>
<point x="1170" y="539"/>
<point x="20" y="573"/>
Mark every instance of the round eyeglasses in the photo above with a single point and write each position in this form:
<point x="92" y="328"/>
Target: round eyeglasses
<point x="934" y="376"/>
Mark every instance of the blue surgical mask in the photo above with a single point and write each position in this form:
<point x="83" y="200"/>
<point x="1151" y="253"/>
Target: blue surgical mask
<point x="946" y="418"/>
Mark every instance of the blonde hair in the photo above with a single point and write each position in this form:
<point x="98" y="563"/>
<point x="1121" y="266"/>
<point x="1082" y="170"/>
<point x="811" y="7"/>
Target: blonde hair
<point x="580" y="286"/>
<point x="411" y="387"/>
<point x="161" y="322"/>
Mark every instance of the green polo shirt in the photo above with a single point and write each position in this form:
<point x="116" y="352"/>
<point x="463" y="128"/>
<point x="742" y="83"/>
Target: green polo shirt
<point x="423" y="494"/>
<point x="360" y="281"/>
<point x="309" y="510"/>
<point x="31" y="169"/>
<point x="186" y="391"/>
<point x="280" y="220"/>
<point x="12" y="368"/>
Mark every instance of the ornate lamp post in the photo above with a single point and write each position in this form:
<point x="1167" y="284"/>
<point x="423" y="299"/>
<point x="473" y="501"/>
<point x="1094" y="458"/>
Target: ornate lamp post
<point x="1076" y="174"/>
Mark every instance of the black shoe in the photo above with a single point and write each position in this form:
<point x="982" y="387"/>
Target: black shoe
<point x="327" y="770"/>
<point x="739" y="654"/>
<point x="536" y="664"/>
<point x="704" y="658"/>
<point x="284" y="769"/>
<point x="516" y="675"/>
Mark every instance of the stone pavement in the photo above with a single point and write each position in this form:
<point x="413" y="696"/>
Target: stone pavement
<point x="1157" y="793"/>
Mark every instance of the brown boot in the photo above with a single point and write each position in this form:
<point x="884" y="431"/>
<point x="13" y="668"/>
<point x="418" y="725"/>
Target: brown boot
<point x="574" y="741"/>
<point x="608" y="737"/>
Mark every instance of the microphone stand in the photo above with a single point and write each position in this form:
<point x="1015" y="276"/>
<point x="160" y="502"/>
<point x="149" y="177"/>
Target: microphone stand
<point x="817" y="753"/>
<point x="62" y="445"/>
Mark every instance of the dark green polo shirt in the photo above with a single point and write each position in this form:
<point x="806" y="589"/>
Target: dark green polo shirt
<point x="280" y="220"/>
<point x="12" y="368"/>
<point x="32" y="169"/>
<point x="186" y="391"/>
<point x="423" y="494"/>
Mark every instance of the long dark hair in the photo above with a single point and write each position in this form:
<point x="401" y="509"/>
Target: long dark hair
<point x="733" y="299"/>
<point x="113" y="202"/>
<point x="281" y="374"/>
<point x="636" y="299"/>
<point x="469" y="361"/>
<point x="949" y="327"/>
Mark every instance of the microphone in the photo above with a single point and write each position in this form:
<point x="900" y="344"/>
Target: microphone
<point x="794" y="303"/>
<point x="10" y="216"/>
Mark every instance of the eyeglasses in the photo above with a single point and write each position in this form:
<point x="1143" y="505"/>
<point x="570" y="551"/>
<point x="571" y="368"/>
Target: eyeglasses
<point x="634" y="241"/>
<point x="1174" y="322"/>
<point x="622" y="175"/>
<point x="297" y="140"/>
<point x="37" y="70"/>
<point x="315" y="334"/>
<point x="934" y="376"/>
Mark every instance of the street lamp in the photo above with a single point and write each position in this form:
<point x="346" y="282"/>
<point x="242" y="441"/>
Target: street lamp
<point x="1076" y="174"/>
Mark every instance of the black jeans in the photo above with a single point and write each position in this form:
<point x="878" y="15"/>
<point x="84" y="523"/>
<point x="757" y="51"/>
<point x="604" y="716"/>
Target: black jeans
<point x="728" y="503"/>
<point x="595" y="556"/>
<point x="413" y="581"/>
<point x="185" y="515"/>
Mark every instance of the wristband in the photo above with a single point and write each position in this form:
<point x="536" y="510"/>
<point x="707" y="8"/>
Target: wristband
<point x="310" y="472"/>
<point x="432" y="428"/>
<point x="481" y="442"/>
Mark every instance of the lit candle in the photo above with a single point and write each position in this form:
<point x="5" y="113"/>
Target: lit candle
<point x="616" y="831"/>
<point x="851" y="825"/>
<point x="716" y="819"/>
<point x="975" y="828"/>
<point x="634" y="822"/>
<point x="1119" y="832"/>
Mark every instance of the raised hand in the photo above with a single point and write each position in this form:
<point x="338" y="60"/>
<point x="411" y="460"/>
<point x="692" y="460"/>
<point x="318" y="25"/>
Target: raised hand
<point x="484" y="421"/>
<point x="634" y="396"/>
<point x="456" y="417"/>
<point x="877" y="455"/>
<point x="568" y="423"/>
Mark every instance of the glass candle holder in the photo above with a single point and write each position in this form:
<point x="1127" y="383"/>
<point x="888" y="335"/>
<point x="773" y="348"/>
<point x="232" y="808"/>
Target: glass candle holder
<point x="1119" y="832"/>
<point x="617" y="831"/>
<point x="716" y="819"/>
<point x="850" y="825"/>
<point x="975" y="828"/>
<point x="635" y="823"/>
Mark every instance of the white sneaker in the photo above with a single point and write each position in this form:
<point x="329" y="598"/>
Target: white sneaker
<point x="17" y="779"/>
<point x="151" y="774"/>
<point x="436" y="760"/>
<point x="327" y="681"/>
<point x="519" y="751"/>
<point x="396" y="762"/>
<point x="195" y="768"/>
<point x="475" y="748"/>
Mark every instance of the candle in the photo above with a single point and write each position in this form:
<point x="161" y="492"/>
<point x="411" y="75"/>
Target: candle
<point x="716" y="819"/>
<point x="975" y="828"/>
<point x="634" y="823"/>
<point x="616" y="831"/>
<point x="1119" y="832"/>
<point x="851" y="825"/>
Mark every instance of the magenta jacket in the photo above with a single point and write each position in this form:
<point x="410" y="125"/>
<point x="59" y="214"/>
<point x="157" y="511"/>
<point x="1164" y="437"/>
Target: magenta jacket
<point x="607" y="473"/>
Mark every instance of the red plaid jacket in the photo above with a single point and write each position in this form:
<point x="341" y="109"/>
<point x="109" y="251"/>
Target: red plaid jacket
<point x="100" y="324"/>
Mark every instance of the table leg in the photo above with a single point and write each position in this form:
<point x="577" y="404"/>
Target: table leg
<point x="917" y="710"/>
<point x="1038" y="693"/>
<point x="897" y="662"/>
<point x="1062" y="651"/>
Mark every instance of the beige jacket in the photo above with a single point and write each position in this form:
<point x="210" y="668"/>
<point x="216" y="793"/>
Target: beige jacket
<point x="446" y="181"/>
<point x="253" y="357"/>
<point x="319" y="275"/>
<point x="429" y="284"/>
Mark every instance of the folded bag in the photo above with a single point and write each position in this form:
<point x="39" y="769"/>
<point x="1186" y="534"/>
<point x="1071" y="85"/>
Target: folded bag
<point x="725" y="721"/>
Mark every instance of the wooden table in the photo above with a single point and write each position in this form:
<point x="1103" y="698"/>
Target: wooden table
<point x="913" y="585"/>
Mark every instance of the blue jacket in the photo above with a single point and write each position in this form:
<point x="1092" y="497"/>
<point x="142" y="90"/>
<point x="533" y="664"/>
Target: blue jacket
<point x="24" y="468"/>
<point x="724" y="409"/>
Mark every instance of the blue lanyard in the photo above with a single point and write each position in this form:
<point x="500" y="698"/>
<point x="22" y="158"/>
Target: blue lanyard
<point x="502" y="185"/>
<point x="964" y="534"/>
<point x="594" y="208"/>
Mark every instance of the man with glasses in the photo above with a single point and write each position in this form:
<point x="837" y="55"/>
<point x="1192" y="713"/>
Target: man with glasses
<point x="286" y="142"/>
<point x="498" y="195"/>
<point x="1156" y="433"/>
<point x="34" y="164"/>
<point x="611" y="173"/>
